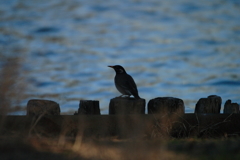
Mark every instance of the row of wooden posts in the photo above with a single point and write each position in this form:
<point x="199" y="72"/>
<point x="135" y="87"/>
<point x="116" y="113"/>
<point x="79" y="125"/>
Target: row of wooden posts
<point x="119" y="105"/>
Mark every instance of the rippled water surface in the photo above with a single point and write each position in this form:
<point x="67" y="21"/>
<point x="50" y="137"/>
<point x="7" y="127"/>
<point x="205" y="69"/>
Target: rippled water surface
<point x="185" y="49"/>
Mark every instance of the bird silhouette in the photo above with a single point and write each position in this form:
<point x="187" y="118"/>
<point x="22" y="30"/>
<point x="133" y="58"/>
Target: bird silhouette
<point x="124" y="82"/>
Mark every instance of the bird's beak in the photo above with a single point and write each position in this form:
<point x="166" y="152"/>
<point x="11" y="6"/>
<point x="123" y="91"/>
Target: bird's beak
<point x="111" y="66"/>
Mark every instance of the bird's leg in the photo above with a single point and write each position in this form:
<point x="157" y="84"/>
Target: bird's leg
<point x="125" y="96"/>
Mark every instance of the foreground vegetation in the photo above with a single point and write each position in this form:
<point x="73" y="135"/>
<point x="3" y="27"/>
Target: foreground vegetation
<point x="37" y="147"/>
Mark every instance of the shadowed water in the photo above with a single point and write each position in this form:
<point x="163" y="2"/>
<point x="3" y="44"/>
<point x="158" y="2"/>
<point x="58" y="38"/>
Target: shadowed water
<point x="184" y="49"/>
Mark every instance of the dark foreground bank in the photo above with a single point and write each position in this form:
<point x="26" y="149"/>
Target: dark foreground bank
<point x="39" y="148"/>
<point x="118" y="137"/>
<point x="125" y="126"/>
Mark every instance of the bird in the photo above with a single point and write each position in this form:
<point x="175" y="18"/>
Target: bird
<point x="124" y="82"/>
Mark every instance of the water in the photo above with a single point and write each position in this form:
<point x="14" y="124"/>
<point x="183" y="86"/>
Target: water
<point x="184" y="49"/>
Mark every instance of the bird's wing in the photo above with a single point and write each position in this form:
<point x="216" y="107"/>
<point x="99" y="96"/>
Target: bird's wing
<point x="131" y="85"/>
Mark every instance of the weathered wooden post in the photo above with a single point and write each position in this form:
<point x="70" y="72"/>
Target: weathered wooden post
<point x="166" y="112"/>
<point x="230" y="107"/>
<point x="127" y="105"/>
<point x="211" y="104"/>
<point x="88" y="107"/>
<point x="38" y="107"/>
<point x="162" y="105"/>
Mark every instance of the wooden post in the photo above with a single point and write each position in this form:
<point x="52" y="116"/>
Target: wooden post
<point x="163" y="105"/>
<point x="37" y="107"/>
<point x="211" y="104"/>
<point x="125" y="105"/>
<point x="230" y="107"/>
<point x="88" y="107"/>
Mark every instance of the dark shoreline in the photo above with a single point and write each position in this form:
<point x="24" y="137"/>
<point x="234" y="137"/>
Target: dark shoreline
<point x="125" y="126"/>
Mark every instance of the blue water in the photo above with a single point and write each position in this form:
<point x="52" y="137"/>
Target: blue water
<point x="185" y="49"/>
